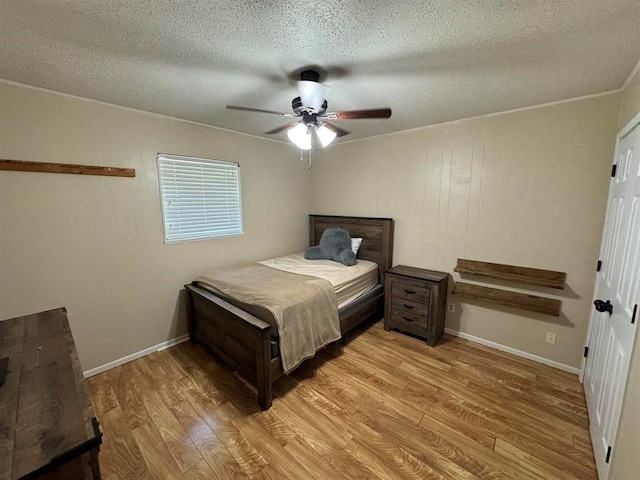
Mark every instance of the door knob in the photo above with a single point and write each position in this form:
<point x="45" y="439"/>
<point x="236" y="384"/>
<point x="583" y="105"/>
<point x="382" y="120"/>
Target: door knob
<point x="604" y="306"/>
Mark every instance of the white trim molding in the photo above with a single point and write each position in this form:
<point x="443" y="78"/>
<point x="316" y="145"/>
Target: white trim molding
<point x="465" y="336"/>
<point x="134" y="356"/>
<point x="513" y="351"/>
<point x="487" y="115"/>
<point x="630" y="77"/>
<point x="137" y="110"/>
<point x="628" y="128"/>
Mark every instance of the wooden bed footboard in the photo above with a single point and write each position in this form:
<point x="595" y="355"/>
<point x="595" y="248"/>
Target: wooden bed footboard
<point x="238" y="338"/>
<point x="243" y="341"/>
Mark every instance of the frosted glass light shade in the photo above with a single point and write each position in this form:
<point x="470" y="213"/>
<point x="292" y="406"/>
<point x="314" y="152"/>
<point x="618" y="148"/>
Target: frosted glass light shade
<point x="312" y="94"/>
<point x="325" y="135"/>
<point x="300" y="136"/>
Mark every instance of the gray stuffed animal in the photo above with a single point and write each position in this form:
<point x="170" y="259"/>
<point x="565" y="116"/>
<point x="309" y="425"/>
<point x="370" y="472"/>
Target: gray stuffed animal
<point x="335" y="244"/>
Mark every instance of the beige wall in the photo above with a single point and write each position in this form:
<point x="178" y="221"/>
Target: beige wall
<point x="525" y="188"/>
<point x="626" y="462"/>
<point x="630" y="101"/>
<point x="95" y="244"/>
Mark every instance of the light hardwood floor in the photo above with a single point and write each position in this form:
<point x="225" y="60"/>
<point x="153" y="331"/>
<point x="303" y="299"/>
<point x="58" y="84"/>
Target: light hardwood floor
<point x="383" y="406"/>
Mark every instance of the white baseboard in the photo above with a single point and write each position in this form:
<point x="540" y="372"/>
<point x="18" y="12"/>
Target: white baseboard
<point x="513" y="351"/>
<point x="466" y="336"/>
<point x="133" y="356"/>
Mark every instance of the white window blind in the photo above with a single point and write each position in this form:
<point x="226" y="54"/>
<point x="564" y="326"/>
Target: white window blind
<point x="200" y="198"/>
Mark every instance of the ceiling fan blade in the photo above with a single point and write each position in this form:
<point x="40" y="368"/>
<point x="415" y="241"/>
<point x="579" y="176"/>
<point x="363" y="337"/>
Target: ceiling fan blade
<point x="356" y="114"/>
<point x="281" y="128"/>
<point x="259" y="110"/>
<point x="339" y="131"/>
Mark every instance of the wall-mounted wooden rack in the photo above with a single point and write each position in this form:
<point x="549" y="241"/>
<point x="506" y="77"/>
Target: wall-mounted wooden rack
<point x="528" y="276"/>
<point x="23" y="166"/>
<point x="547" y="306"/>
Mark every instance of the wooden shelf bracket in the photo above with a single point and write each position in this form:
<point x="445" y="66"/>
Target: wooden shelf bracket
<point x="525" y="275"/>
<point x="533" y="303"/>
<point x="44" y="167"/>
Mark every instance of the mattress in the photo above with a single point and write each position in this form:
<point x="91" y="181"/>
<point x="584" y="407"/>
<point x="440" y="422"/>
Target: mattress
<point x="349" y="282"/>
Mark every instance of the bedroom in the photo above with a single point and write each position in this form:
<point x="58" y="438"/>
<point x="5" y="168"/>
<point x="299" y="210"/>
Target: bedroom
<point x="505" y="188"/>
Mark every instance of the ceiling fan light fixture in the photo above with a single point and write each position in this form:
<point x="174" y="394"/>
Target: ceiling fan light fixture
<point x="300" y="136"/>
<point x="326" y="135"/>
<point x="310" y="113"/>
<point x="312" y="94"/>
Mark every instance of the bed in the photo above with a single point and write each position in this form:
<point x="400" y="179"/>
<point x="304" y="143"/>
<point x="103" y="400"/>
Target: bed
<point x="248" y="344"/>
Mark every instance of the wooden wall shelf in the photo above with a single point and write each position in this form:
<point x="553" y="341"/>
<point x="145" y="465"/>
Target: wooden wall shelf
<point x="44" y="167"/>
<point x="533" y="303"/>
<point x="528" y="276"/>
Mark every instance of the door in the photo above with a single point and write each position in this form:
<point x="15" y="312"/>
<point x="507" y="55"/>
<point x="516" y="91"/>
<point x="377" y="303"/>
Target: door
<point x="613" y="320"/>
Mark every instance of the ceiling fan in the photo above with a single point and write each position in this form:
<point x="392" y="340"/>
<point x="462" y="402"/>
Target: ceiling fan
<point x="310" y="112"/>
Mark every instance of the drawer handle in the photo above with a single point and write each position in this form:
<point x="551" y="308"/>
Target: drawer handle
<point x="409" y="292"/>
<point x="409" y="319"/>
<point x="410" y="307"/>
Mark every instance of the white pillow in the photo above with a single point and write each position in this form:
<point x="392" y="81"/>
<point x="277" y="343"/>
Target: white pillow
<point x="355" y="244"/>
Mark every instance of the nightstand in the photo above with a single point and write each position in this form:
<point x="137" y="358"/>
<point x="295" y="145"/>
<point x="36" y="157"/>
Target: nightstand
<point x="415" y="302"/>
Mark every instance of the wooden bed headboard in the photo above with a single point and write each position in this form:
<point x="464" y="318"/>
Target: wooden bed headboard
<point x="377" y="235"/>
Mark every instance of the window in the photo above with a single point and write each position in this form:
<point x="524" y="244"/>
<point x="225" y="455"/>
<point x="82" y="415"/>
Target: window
<point x="200" y="198"/>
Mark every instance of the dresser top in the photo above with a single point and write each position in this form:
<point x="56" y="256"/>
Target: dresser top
<point x="44" y="406"/>
<point x="419" y="273"/>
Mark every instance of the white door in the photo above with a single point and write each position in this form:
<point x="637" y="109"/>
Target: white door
<point x="612" y="329"/>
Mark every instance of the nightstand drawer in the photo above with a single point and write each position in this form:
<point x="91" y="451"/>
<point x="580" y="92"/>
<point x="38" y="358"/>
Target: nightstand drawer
<point x="408" y="322"/>
<point x="411" y="291"/>
<point x="408" y="306"/>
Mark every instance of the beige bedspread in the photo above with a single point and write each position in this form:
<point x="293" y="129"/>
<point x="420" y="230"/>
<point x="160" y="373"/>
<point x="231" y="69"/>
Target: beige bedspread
<point x="304" y="307"/>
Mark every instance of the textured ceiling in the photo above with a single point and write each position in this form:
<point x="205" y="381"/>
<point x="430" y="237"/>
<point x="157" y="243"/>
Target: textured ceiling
<point x="430" y="61"/>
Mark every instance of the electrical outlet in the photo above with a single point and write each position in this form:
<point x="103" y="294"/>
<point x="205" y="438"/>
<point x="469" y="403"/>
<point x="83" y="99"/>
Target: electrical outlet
<point x="551" y="338"/>
<point x="451" y="308"/>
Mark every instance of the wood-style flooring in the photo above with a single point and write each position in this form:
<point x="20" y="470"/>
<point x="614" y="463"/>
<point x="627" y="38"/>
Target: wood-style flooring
<point x="383" y="406"/>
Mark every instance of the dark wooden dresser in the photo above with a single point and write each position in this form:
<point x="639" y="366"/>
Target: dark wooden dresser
<point x="48" y="427"/>
<point x="415" y="302"/>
